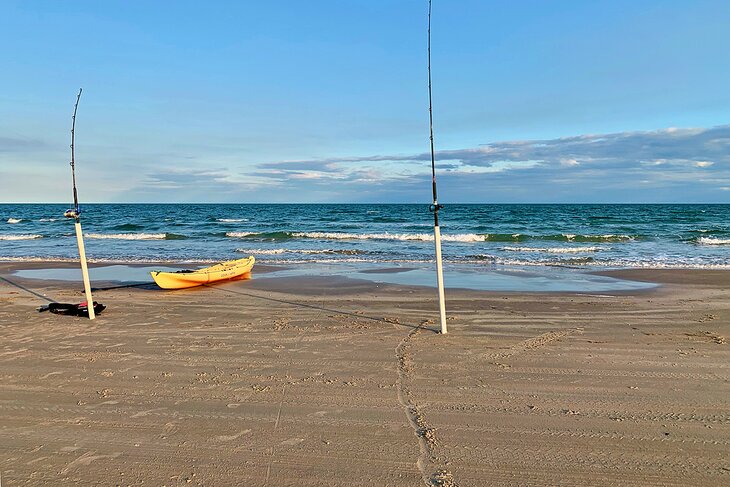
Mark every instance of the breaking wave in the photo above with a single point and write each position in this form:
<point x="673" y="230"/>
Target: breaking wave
<point x="302" y="251"/>
<point x="713" y="241"/>
<point x="231" y="220"/>
<point x="20" y="237"/>
<point x="15" y="220"/>
<point x="554" y="250"/>
<point x="242" y="234"/>
<point x="591" y="262"/>
<point x="601" y="238"/>
<point x="136" y="236"/>
<point x="562" y="237"/>
<point x="426" y="237"/>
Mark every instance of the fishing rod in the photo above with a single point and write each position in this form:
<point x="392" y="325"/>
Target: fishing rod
<point x="75" y="213"/>
<point x="435" y="206"/>
<point x="73" y="162"/>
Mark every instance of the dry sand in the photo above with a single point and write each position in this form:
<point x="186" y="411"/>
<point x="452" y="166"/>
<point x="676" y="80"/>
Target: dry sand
<point x="323" y="381"/>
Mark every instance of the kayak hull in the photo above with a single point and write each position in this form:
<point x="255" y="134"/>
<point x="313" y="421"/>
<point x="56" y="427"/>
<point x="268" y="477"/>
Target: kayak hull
<point x="232" y="269"/>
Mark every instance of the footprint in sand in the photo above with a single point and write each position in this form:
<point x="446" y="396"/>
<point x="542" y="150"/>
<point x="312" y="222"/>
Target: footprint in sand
<point x="145" y="413"/>
<point x="50" y="374"/>
<point x="86" y="459"/>
<point x="169" y="429"/>
<point x="292" y="441"/>
<point x="232" y="437"/>
<point x="321" y="414"/>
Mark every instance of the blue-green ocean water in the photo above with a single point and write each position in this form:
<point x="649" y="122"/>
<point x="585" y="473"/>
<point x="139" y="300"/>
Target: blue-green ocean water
<point x="475" y="235"/>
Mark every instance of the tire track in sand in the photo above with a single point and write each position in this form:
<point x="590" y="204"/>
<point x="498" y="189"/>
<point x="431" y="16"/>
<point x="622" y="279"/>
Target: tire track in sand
<point x="431" y="465"/>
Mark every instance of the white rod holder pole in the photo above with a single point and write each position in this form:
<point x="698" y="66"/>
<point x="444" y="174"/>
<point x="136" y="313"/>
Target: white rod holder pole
<point x="85" y="271"/>
<point x="440" y="278"/>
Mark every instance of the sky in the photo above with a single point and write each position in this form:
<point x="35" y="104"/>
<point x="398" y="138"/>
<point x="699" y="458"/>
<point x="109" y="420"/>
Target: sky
<point x="327" y="101"/>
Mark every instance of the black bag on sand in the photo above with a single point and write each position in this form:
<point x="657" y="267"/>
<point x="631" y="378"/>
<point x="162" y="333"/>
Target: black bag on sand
<point x="80" y="309"/>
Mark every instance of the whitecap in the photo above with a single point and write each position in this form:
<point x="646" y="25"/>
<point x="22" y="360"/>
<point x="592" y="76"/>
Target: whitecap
<point x="300" y="251"/>
<point x="426" y="237"/>
<point x="20" y="237"/>
<point x="127" y="236"/>
<point x="599" y="238"/>
<point x="554" y="250"/>
<point x="713" y="241"/>
<point x="264" y="251"/>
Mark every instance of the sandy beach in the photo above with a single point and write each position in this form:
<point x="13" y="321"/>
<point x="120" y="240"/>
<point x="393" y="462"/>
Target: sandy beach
<point x="341" y="382"/>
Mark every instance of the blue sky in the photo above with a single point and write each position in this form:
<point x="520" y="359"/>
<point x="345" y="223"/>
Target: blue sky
<point x="326" y="101"/>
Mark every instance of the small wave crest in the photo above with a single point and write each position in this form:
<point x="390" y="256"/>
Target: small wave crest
<point x="260" y="235"/>
<point x="13" y="258"/>
<point x="231" y="220"/>
<point x="713" y="241"/>
<point x="426" y="237"/>
<point x="561" y="237"/>
<point x="15" y="220"/>
<point x="554" y="250"/>
<point x="349" y="260"/>
<point x="506" y="237"/>
<point x="20" y="237"/>
<point x="591" y="262"/>
<point x="48" y="219"/>
<point x="106" y="260"/>
<point x="599" y="238"/>
<point x="136" y="236"/>
<point x="302" y="251"/>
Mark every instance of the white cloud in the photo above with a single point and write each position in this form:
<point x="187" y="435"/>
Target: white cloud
<point x="312" y="175"/>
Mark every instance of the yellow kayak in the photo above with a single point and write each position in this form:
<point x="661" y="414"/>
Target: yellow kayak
<point x="231" y="269"/>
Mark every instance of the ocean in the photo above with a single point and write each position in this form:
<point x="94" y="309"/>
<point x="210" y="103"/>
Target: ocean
<point x="475" y="235"/>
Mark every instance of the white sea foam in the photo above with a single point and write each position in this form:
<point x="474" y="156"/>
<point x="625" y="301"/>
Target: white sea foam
<point x="606" y="238"/>
<point x="554" y="250"/>
<point x="126" y="260"/>
<point x="231" y="220"/>
<point x="592" y="263"/>
<point x="350" y="260"/>
<point x="20" y="237"/>
<point x="240" y="234"/>
<point x="299" y="251"/>
<point x="15" y="220"/>
<point x="660" y="264"/>
<point x="48" y="219"/>
<point x="426" y="237"/>
<point x="264" y="251"/>
<point x="39" y="259"/>
<point x="127" y="236"/>
<point x="713" y="241"/>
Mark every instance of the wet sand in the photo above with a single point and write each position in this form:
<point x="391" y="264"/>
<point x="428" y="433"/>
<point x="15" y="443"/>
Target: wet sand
<point x="333" y="381"/>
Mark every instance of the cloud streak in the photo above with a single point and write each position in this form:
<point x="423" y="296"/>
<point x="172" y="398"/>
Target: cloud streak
<point x="688" y="164"/>
<point x="701" y="147"/>
<point x="18" y="144"/>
